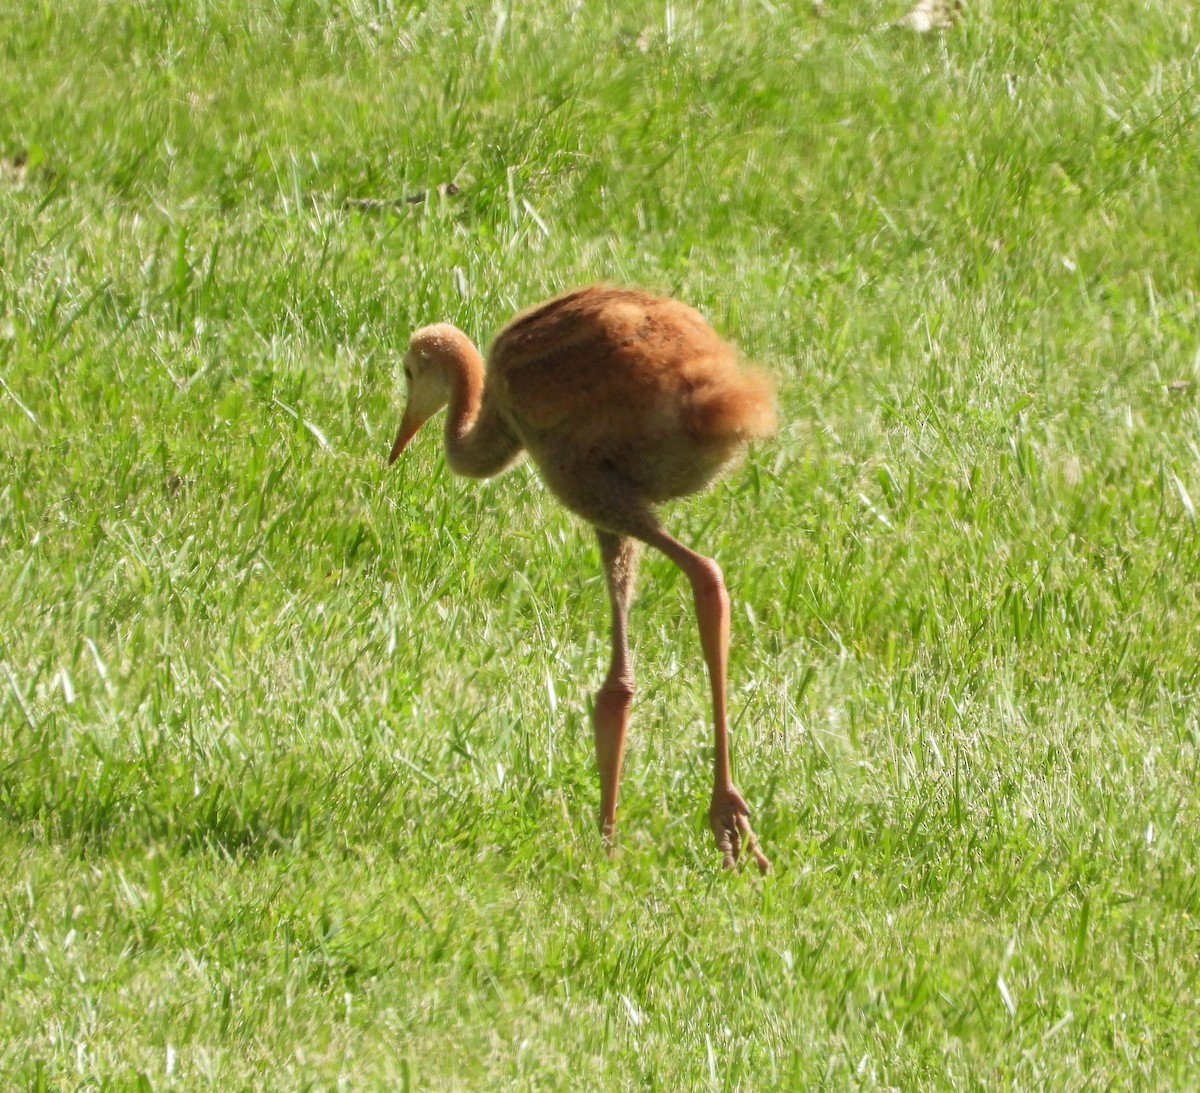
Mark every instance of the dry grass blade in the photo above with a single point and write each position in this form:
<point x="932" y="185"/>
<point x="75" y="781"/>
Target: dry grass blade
<point x="930" y="15"/>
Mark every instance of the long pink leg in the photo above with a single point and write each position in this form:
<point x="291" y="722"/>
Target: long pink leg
<point x="612" y="502"/>
<point x="615" y="697"/>
<point x="728" y="815"/>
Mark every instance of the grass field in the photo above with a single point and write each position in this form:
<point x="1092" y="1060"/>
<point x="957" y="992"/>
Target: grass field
<point x="296" y="777"/>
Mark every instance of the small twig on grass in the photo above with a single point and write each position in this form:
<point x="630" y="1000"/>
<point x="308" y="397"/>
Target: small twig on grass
<point x="373" y="204"/>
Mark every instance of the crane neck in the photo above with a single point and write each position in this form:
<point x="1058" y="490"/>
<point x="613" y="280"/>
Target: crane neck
<point x="464" y="370"/>
<point x="479" y="439"/>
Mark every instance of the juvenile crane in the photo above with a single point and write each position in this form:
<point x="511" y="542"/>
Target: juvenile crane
<point x="623" y="400"/>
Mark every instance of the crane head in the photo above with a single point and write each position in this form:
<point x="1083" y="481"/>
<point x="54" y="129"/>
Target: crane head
<point x="426" y="385"/>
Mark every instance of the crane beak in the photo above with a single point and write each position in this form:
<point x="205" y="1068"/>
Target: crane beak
<point x="408" y="429"/>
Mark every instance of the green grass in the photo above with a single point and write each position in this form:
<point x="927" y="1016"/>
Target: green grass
<point x="296" y="785"/>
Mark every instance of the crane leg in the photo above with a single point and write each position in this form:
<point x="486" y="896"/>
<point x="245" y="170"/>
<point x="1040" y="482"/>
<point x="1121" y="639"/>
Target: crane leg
<point x="619" y="555"/>
<point x="620" y="516"/>
<point x="728" y="814"/>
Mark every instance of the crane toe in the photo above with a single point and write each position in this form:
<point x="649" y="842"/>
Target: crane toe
<point x="729" y="818"/>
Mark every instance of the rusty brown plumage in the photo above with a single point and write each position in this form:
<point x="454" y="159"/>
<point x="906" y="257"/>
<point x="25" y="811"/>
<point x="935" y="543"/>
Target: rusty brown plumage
<point x="641" y="378"/>
<point x="623" y="399"/>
